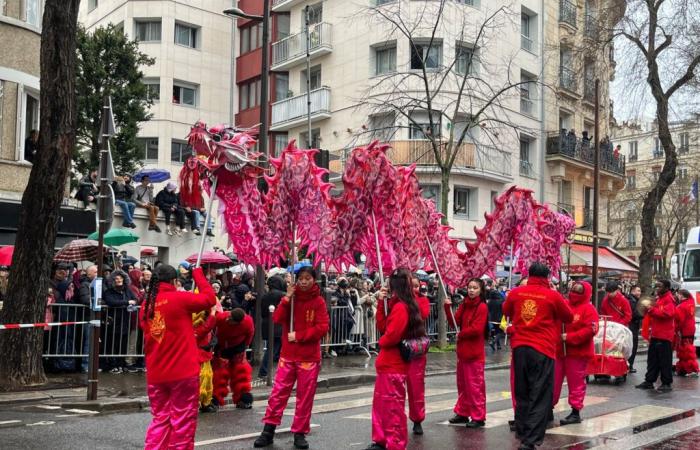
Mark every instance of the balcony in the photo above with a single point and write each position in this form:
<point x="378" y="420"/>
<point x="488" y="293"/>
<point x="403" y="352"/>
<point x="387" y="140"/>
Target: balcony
<point x="582" y="151"/>
<point x="567" y="12"/>
<point x="292" y="112"/>
<point x="567" y="79"/>
<point x="284" y="5"/>
<point x="291" y="50"/>
<point x="589" y="90"/>
<point x="590" y="29"/>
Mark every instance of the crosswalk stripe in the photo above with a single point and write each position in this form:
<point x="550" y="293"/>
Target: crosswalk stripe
<point x="620" y="419"/>
<point x="241" y="437"/>
<point x="81" y="411"/>
<point x="47" y="406"/>
<point x="9" y="422"/>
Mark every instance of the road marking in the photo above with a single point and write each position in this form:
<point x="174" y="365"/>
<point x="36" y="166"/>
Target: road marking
<point x="47" y="406"/>
<point x="241" y="437"/>
<point x="9" y="422"/>
<point x="43" y="422"/>
<point x="82" y="411"/>
<point x="334" y="394"/>
<point x="610" y="422"/>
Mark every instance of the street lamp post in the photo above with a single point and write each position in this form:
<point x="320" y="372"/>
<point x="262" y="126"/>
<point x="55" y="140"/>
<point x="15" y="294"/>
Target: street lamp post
<point x="262" y="148"/>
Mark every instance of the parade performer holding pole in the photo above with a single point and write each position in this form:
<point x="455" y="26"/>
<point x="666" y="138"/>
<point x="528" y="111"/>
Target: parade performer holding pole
<point x="537" y="312"/>
<point x="172" y="359"/>
<point x="472" y="318"/>
<point x="300" y="358"/>
<point x="403" y="327"/>
<point x="234" y="333"/>
<point x="204" y="323"/>
<point x="572" y="360"/>
<point x="415" y="380"/>
<point x="687" y="364"/>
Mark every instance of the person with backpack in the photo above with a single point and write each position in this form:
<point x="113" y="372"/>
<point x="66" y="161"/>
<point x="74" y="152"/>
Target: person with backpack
<point x="472" y="319"/>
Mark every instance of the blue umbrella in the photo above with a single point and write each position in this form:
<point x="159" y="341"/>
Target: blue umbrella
<point x="156" y="175"/>
<point x="299" y="265"/>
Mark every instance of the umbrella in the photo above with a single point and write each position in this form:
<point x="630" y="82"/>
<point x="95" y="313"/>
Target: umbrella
<point x="210" y="257"/>
<point x="147" y="251"/>
<point x="129" y="260"/>
<point x="156" y="175"/>
<point x="299" y="265"/>
<point x="78" y="250"/>
<point x="116" y="236"/>
<point x="6" y="255"/>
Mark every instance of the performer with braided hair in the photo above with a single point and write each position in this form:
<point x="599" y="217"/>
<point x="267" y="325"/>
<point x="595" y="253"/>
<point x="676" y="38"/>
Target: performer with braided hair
<point x="234" y="333"/>
<point x="172" y="359"/>
<point x="404" y="322"/>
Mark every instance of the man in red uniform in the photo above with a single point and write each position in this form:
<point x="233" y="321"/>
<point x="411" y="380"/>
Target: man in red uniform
<point x="616" y="305"/>
<point x="537" y="312"/>
<point x="660" y="354"/>
<point x="234" y="332"/>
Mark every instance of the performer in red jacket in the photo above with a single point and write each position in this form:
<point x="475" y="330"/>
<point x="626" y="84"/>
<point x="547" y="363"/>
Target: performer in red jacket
<point x="616" y="305"/>
<point x="575" y="349"/>
<point x="234" y="333"/>
<point x="471" y="316"/>
<point x="687" y="364"/>
<point x="172" y="357"/>
<point x="300" y="358"/>
<point x="660" y="353"/>
<point x="537" y="312"/>
<point x="415" y="379"/>
<point x="403" y="322"/>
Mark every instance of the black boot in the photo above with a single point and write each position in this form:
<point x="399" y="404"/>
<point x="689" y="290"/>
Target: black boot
<point x="417" y="428"/>
<point x="267" y="436"/>
<point x="246" y="401"/>
<point x="574" y="417"/>
<point x="458" y="419"/>
<point x="300" y="441"/>
<point x="475" y="424"/>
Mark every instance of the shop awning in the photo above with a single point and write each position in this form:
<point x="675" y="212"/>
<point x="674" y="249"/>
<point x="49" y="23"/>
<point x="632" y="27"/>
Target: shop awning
<point x="608" y="260"/>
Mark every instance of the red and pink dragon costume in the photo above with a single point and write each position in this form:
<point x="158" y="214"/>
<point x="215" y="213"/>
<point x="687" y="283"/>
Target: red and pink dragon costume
<point x="261" y="226"/>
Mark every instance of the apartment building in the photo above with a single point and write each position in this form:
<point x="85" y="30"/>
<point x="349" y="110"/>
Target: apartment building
<point x="645" y="158"/>
<point x="191" y="79"/>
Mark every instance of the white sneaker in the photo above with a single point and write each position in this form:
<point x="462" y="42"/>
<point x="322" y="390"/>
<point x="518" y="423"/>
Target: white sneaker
<point x="183" y="230"/>
<point x="170" y="231"/>
<point x="333" y="354"/>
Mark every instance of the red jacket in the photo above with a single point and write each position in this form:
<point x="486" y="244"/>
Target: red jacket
<point x="580" y="332"/>
<point x="393" y="329"/>
<point x="471" y="317"/>
<point x="203" y="332"/>
<point x="618" y="308"/>
<point x="537" y="312"/>
<point x="685" y="318"/>
<point x="169" y="340"/>
<point x="423" y="306"/>
<point x="230" y="335"/>
<point x="661" y="317"/>
<point x="311" y="323"/>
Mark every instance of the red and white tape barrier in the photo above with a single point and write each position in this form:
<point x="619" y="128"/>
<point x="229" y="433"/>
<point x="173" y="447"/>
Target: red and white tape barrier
<point x="14" y="326"/>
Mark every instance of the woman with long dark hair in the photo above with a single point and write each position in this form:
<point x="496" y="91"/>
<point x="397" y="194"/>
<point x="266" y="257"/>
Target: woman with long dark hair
<point x="172" y="357"/>
<point x="404" y="321"/>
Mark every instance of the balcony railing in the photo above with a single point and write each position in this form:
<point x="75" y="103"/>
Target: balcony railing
<point x="526" y="106"/>
<point x="292" y="111"/>
<point x="582" y="150"/>
<point x="567" y="12"/>
<point x="526" y="43"/>
<point x="284" y="5"/>
<point x="292" y="49"/>
<point x="589" y="90"/>
<point x="567" y="79"/>
<point x="591" y="27"/>
<point x="657" y="153"/>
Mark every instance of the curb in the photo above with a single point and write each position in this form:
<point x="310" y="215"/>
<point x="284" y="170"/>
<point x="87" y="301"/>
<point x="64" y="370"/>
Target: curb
<point x="108" y="405"/>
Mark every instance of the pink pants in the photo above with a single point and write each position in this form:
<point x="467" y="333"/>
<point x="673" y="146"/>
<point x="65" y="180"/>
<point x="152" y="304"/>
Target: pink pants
<point x="388" y="411"/>
<point x="575" y="371"/>
<point x="306" y="375"/>
<point x="415" y="388"/>
<point x="471" y="390"/>
<point x="174" y="408"/>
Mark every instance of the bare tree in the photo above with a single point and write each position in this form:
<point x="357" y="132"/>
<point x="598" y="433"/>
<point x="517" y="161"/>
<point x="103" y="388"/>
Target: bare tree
<point x="21" y="350"/>
<point x="662" y="48"/>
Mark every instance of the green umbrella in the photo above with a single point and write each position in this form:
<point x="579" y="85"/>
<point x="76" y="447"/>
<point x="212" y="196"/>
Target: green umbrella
<point x="117" y="236"/>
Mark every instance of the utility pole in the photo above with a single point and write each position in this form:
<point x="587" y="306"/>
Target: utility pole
<point x="596" y="189"/>
<point x="308" y="76"/>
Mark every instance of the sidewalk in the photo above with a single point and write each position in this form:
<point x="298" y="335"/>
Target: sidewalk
<point x="127" y="391"/>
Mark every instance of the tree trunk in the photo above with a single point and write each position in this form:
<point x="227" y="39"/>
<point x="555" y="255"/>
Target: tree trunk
<point x="444" y="197"/>
<point x="21" y="350"/>
<point x="444" y="192"/>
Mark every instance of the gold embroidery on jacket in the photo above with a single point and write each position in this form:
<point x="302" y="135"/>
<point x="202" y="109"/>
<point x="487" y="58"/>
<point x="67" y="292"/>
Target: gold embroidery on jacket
<point x="157" y="327"/>
<point x="528" y="311"/>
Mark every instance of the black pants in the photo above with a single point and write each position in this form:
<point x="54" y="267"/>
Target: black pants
<point x="179" y="217"/>
<point x="534" y="384"/>
<point x="634" y="328"/>
<point x="659" y="361"/>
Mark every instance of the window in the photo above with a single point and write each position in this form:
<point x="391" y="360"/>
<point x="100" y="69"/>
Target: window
<point x="184" y="95"/>
<point x="657" y="231"/>
<point x="525" y="164"/>
<point x="527" y="93"/>
<point x="655" y="171"/>
<point x="658" y="151"/>
<point x="421" y="131"/>
<point x="385" y="60"/>
<point x="281" y="141"/>
<point x="92" y="4"/>
<point x="30" y="119"/>
<point x="315" y="15"/>
<point x="186" y="35"/>
<point x="179" y="151"/>
<point x="466" y="60"/>
<point x="431" y="192"/>
<point x="631" y="181"/>
<point x="249" y="94"/>
<point x="525" y="32"/>
<point x="281" y="86"/>
<point x="32" y="11"/>
<point x="682" y="233"/>
<point x="152" y="89"/>
<point x="149" y="147"/>
<point x="632" y="155"/>
<point x="315" y="138"/>
<point x="631" y="237"/>
<point x="147" y="30"/>
<point x="282" y="27"/>
<point x="315" y="80"/>
<point x="464" y="202"/>
<point x="682" y="173"/>
<point x="684" y="143"/>
<point x="251" y="38"/>
<point x="430" y="55"/>
<point x="381" y="126"/>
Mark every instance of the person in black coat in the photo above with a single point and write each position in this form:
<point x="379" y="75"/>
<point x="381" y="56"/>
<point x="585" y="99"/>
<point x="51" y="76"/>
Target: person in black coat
<point x="494" y="301"/>
<point x="277" y="288"/>
<point x="635" y="323"/>
<point x="123" y="194"/>
<point x="119" y="298"/>
<point x="169" y="202"/>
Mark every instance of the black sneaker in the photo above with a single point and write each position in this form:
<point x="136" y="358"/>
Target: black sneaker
<point x="300" y="441"/>
<point x="573" y="417"/>
<point x="244" y="405"/>
<point x="210" y="233"/>
<point x="457" y="419"/>
<point x="417" y="428"/>
<point x="645" y="385"/>
<point x="196" y="231"/>
<point x="267" y="437"/>
<point x="210" y="408"/>
<point x="375" y="446"/>
<point x="665" y="388"/>
<point x="511" y="425"/>
<point x="157" y="229"/>
<point x="476" y="423"/>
